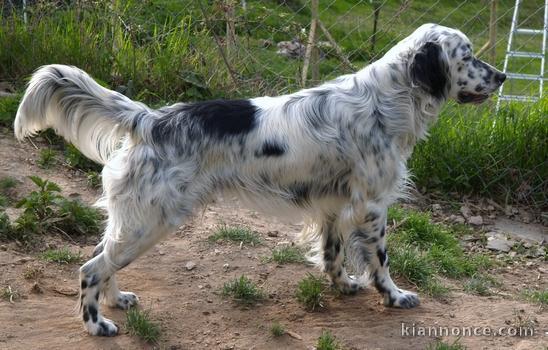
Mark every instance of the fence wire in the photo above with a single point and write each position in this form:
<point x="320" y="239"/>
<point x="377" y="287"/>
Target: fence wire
<point x="164" y="51"/>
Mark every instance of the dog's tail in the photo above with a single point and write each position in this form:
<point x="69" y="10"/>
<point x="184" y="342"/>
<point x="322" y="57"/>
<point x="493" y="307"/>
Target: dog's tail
<point x="86" y="114"/>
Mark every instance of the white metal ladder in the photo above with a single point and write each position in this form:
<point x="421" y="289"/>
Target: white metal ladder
<point x="533" y="55"/>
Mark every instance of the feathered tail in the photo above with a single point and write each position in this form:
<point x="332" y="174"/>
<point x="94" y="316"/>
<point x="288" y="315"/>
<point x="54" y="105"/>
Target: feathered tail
<point x="86" y="114"/>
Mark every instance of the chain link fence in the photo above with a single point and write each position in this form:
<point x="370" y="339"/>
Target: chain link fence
<point x="163" y="51"/>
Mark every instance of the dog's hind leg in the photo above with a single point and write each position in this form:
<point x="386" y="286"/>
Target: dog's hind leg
<point x="122" y="244"/>
<point x="333" y="258"/>
<point x="367" y="246"/>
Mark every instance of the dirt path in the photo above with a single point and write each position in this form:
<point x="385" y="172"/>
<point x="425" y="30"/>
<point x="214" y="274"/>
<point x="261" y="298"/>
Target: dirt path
<point x="192" y="313"/>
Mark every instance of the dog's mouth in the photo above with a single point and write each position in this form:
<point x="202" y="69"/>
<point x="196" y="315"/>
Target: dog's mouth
<point x="469" y="97"/>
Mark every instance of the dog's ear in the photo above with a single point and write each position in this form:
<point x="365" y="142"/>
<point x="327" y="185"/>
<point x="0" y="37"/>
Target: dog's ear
<point x="429" y="70"/>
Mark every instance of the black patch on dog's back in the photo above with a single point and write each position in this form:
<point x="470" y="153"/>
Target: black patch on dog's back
<point x="218" y="118"/>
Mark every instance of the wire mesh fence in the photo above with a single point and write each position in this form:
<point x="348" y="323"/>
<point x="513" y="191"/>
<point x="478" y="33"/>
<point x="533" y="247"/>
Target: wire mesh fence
<point x="163" y="51"/>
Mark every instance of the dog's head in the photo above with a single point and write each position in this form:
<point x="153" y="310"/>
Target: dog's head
<point x="444" y="65"/>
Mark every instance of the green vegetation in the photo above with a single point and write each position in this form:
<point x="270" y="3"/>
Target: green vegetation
<point x="311" y="292"/>
<point x="286" y="255"/>
<point x="9" y="294"/>
<point x="243" y="291"/>
<point x="47" y="158"/>
<point x="6" y="194"/>
<point x="480" y="285"/>
<point x="45" y="209"/>
<point x="235" y="234"/>
<point x="62" y="256"/>
<point x="502" y="155"/>
<point x="138" y="323"/>
<point x="537" y="296"/>
<point x="420" y="250"/>
<point x="277" y="329"/>
<point x="439" y="345"/>
<point x="8" y="108"/>
<point x="327" y="341"/>
<point x="77" y="160"/>
<point x="94" y="179"/>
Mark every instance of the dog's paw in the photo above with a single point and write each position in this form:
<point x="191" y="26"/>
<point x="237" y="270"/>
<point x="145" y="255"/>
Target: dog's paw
<point x="103" y="327"/>
<point x="401" y="299"/>
<point x="125" y="300"/>
<point x="347" y="288"/>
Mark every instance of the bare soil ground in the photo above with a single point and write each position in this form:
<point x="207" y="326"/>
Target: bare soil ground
<point x="193" y="314"/>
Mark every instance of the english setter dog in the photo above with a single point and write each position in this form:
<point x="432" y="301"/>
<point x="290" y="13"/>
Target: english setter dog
<point x="336" y="154"/>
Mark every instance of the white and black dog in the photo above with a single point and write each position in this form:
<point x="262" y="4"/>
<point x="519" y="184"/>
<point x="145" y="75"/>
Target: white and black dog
<point x="336" y="154"/>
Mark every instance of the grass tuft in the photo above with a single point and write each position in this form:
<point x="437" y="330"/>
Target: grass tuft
<point x="439" y="345"/>
<point x="47" y="158"/>
<point x="10" y="294"/>
<point x="94" y="179"/>
<point x="61" y="256"/>
<point x="287" y="255"/>
<point x="420" y="250"/>
<point x="480" y="285"/>
<point x="139" y="324"/>
<point x="327" y="341"/>
<point x="235" y="234"/>
<point x="243" y="291"/>
<point x="310" y="292"/>
<point x="537" y="296"/>
<point x="277" y="329"/>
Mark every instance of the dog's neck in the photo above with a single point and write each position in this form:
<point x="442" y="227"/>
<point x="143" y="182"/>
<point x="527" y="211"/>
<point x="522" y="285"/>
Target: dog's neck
<point x="414" y="110"/>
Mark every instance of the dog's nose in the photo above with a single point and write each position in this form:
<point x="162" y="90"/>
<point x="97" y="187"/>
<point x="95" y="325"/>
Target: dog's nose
<point x="500" y="78"/>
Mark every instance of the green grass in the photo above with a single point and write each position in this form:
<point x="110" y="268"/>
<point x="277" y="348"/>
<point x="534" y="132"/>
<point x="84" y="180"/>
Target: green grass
<point x="327" y="341"/>
<point x="243" y="291"/>
<point x="8" y="108"/>
<point x="61" y="256"/>
<point x="286" y="255"/>
<point x="235" y="234"/>
<point x="9" y="294"/>
<point x="311" y="292"/>
<point x="47" y="158"/>
<point x="421" y="251"/>
<point x="480" y="285"/>
<point x="94" y="179"/>
<point x="77" y="160"/>
<point x="439" y="345"/>
<point x="474" y="150"/>
<point x="7" y="183"/>
<point x="537" y="297"/>
<point x="277" y="329"/>
<point x="139" y="324"/>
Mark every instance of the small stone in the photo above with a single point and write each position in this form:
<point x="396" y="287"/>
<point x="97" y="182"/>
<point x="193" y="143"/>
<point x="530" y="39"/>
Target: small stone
<point x="226" y="266"/>
<point x="457" y="219"/>
<point x="465" y="211"/>
<point x="272" y="233"/>
<point x="436" y="207"/>
<point x="500" y="245"/>
<point x="217" y="251"/>
<point x="475" y="220"/>
<point x="190" y="265"/>
<point x="3" y="247"/>
<point x="512" y="254"/>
